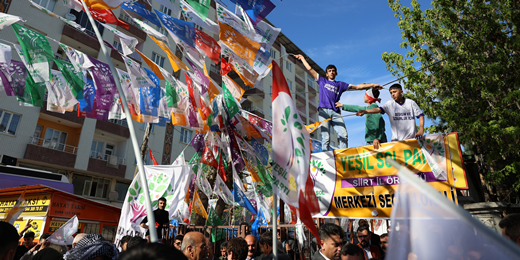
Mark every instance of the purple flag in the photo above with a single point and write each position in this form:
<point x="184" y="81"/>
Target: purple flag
<point x="192" y="117"/>
<point x="199" y="77"/>
<point x="105" y="88"/>
<point x="198" y="143"/>
<point x="264" y="11"/>
<point x="14" y="76"/>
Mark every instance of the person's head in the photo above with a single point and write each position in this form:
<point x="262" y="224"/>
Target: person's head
<point x="332" y="239"/>
<point x="363" y="223"/>
<point x="162" y="203"/>
<point x="266" y="243"/>
<point x="251" y="245"/>
<point x="92" y="247"/>
<point x="384" y="242"/>
<point x="331" y="72"/>
<point x="396" y="91"/>
<point x="236" y="249"/>
<point x="178" y="241"/>
<point x="28" y="239"/>
<point x="510" y="225"/>
<point x="194" y="246"/>
<point x="363" y="236"/>
<point x="210" y="248"/>
<point x="223" y="249"/>
<point x="43" y="241"/>
<point x="8" y="241"/>
<point x="124" y="242"/>
<point x="372" y="95"/>
<point x="135" y="241"/>
<point x="48" y="254"/>
<point x="352" y="252"/>
<point x="152" y="251"/>
<point x="80" y="236"/>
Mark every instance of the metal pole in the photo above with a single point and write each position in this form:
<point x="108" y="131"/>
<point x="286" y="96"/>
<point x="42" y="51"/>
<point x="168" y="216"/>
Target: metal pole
<point x="135" y="145"/>
<point x="274" y="219"/>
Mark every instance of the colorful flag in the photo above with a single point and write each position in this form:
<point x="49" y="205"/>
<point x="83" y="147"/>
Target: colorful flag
<point x="176" y="63"/>
<point x="260" y="150"/>
<point x="199" y="77"/>
<point x="208" y="158"/>
<point x="208" y="45"/>
<point x="201" y="7"/>
<point x="202" y="180"/>
<point x="152" y="65"/>
<point x="31" y="93"/>
<point x="63" y="236"/>
<point x="152" y="157"/>
<point x="189" y="12"/>
<point x="37" y="52"/>
<point x="105" y="88"/>
<point x="128" y="43"/>
<point x="234" y="89"/>
<point x="199" y="207"/>
<point x="247" y="77"/>
<point x="252" y="7"/>
<point x="259" y="221"/>
<point x="8" y="19"/>
<point x="14" y="76"/>
<point x="264" y="11"/>
<point x="225" y="68"/>
<point x="150" y="97"/>
<point x="242" y="200"/>
<point x="12" y="214"/>
<point x="312" y="127"/>
<point x="141" y="10"/>
<point x="214" y="220"/>
<point x="104" y="4"/>
<point x="182" y="29"/>
<point x="195" y="101"/>
<point x="79" y="60"/>
<point x="89" y="92"/>
<point x="107" y="16"/>
<point x="291" y="153"/>
<point x="179" y="160"/>
<point x="76" y="79"/>
<point x="128" y="91"/>
<point x="231" y="104"/>
<point x="244" y="47"/>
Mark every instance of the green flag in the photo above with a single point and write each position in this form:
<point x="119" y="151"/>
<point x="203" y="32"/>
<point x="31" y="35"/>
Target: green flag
<point x="37" y="52"/>
<point x="195" y="160"/>
<point x="201" y="7"/>
<point x="230" y="102"/>
<point x="34" y="93"/>
<point x="74" y="78"/>
<point x="267" y="188"/>
<point x="171" y="95"/>
<point x="214" y="220"/>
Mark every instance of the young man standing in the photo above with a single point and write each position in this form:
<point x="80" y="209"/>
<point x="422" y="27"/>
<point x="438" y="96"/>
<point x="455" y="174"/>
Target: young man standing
<point x="330" y="93"/>
<point x="161" y="220"/>
<point x="401" y="113"/>
<point x="374" y="124"/>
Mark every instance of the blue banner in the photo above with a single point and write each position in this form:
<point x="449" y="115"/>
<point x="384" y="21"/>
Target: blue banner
<point x="242" y="200"/>
<point x="182" y="29"/>
<point x="142" y="11"/>
<point x="260" y="150"/>
<point x="89" y="92"/>
<point x="150" y="96"/>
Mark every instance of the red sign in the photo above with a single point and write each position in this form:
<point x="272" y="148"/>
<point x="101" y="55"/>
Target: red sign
<point x="67" y="206"/>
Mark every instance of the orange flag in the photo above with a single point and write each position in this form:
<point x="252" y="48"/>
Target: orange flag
<point x="199" y="207"/>
<point x="177" y="64"/>
<point x="179" y="119"/>
<point x="233" y="87"/>
<point x="244" y="47"/>
<point x="152" y="65"/>
<point x="104" y="4"/>
<point x="312" y="127"/>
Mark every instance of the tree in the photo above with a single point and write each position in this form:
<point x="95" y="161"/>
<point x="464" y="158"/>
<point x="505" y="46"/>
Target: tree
<point x="462" y="69"/>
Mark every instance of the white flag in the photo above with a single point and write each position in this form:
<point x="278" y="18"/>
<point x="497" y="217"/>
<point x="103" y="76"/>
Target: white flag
<point x="6" y="20"/>
<point x="128" y="43"/>
<point x="180" y="160"/>
<point x="60" y="96"/>
<point x="79" y="60"/>
<point x="5" y="54"/>
<point x="138" y="75"/>
<point x="150" y="30"/>
<point x="223" y="191"/>
<point x="63" y="236"/>
<point x="194" y="17"/>
<point x="73" y="4"/>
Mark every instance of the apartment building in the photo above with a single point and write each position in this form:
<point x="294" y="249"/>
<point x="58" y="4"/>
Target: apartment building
<point x="97" y="156"/>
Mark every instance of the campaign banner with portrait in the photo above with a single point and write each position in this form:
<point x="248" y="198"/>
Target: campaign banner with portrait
<point x="360" y="183"/>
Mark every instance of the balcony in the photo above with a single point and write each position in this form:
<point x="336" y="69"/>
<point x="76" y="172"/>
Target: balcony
<point x="303" y="116"/>
<point x="312" y="104"/>
<point x="46" y="151"/>
<point x="82" y="37"/>
<point x="107" y="164"/>
<point x="254" y="94"/>
<point x="300" y="97"/>
<point x="113" y="128"/>
<point x="255" y="110"/>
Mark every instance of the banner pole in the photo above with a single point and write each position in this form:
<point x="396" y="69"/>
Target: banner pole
<point x="133" y="138"/>
<point x="275" y="228"/>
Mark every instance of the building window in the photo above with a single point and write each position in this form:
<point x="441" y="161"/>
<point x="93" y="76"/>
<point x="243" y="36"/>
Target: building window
<point x="38" y="131"/>
<point x="47" y="4"/>
<point x="165" y="10"/>
<point x="271" y="90"/>
<point x="185" y="135"/>
<point x="158" y="59"/>
<point x="142" y="126"/>
<point x="121" y="189"/>
<point x="96" y="150"/>
<point x="121" y="122"/>
<point x="289" y="83"/>
<point x="82" y="19"/>
<point x="118" y="46"/>
<point x="9" y="122"/>
<point x="90" y="186"/>
<point x="54" y="139"/>
<point x="110" y="149"/>
<point x="310" y="81"/>
<point x="273" y="53"/>
<point x="288" y="65"/>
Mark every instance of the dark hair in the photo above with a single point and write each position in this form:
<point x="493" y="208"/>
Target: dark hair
<point x="8" y="239"/>
<point x="383" y="235"/>
<point x="396" y="86"/>
<point x="238" y="246"/>
<point x="45" y="236"/>
<point x="135" y="241"/>
<point x="331" y="67"/>
<point x="48" y="254"/>
<point x="179" y="237"/>
<point x="29" y="234"/>
<point x="153" y="251"/>
<point x="362" y="228"/>
<point x="125" y="239"/>
<point x="162" y="199"/>
<point x="511" y="223"/>
<point x="375" y="92"/>
<point x="351" y="249"/>
<point x="223" y="245"/>
<point x="328" y="229"/>
<point x="266" y="238"/>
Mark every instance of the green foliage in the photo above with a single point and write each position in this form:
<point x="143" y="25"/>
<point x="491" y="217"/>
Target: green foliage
<point x="462" y="69"/>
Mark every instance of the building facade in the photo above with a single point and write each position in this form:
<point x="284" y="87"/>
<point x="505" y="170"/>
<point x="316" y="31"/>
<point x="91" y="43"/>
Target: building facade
<point x="97" y="156"/>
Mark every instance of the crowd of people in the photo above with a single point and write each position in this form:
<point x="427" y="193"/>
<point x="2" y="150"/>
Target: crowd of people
<point x="197" y="246"/>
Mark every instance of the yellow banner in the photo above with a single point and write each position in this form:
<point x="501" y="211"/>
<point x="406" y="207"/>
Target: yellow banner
<point x="37" y="226"/>
<point x="359" y="182"/>
<point x="177" y="64"/>
<point x="459" y="173"/>
<point x="197" y="204"/>
<point x="37" y="205"/>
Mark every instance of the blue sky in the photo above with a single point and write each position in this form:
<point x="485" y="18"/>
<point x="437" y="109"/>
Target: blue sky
<point x="349" y="34"/>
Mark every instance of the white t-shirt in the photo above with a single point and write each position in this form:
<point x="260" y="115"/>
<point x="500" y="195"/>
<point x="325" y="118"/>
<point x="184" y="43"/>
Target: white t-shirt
<point x="402" y="118"/>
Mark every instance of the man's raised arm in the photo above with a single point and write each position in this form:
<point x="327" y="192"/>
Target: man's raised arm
<point x="376" y="110"/>
<point x="365" y="86"/>
<point x="307" y="66"/>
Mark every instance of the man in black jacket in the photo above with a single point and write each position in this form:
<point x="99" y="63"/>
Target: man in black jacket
<point x="162" y="219"/>
<point x="332" y="239"/>
<point x="266" y="246"/>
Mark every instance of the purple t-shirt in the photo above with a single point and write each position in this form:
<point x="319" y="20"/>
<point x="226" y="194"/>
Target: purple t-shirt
<point x="330" y="92"/>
